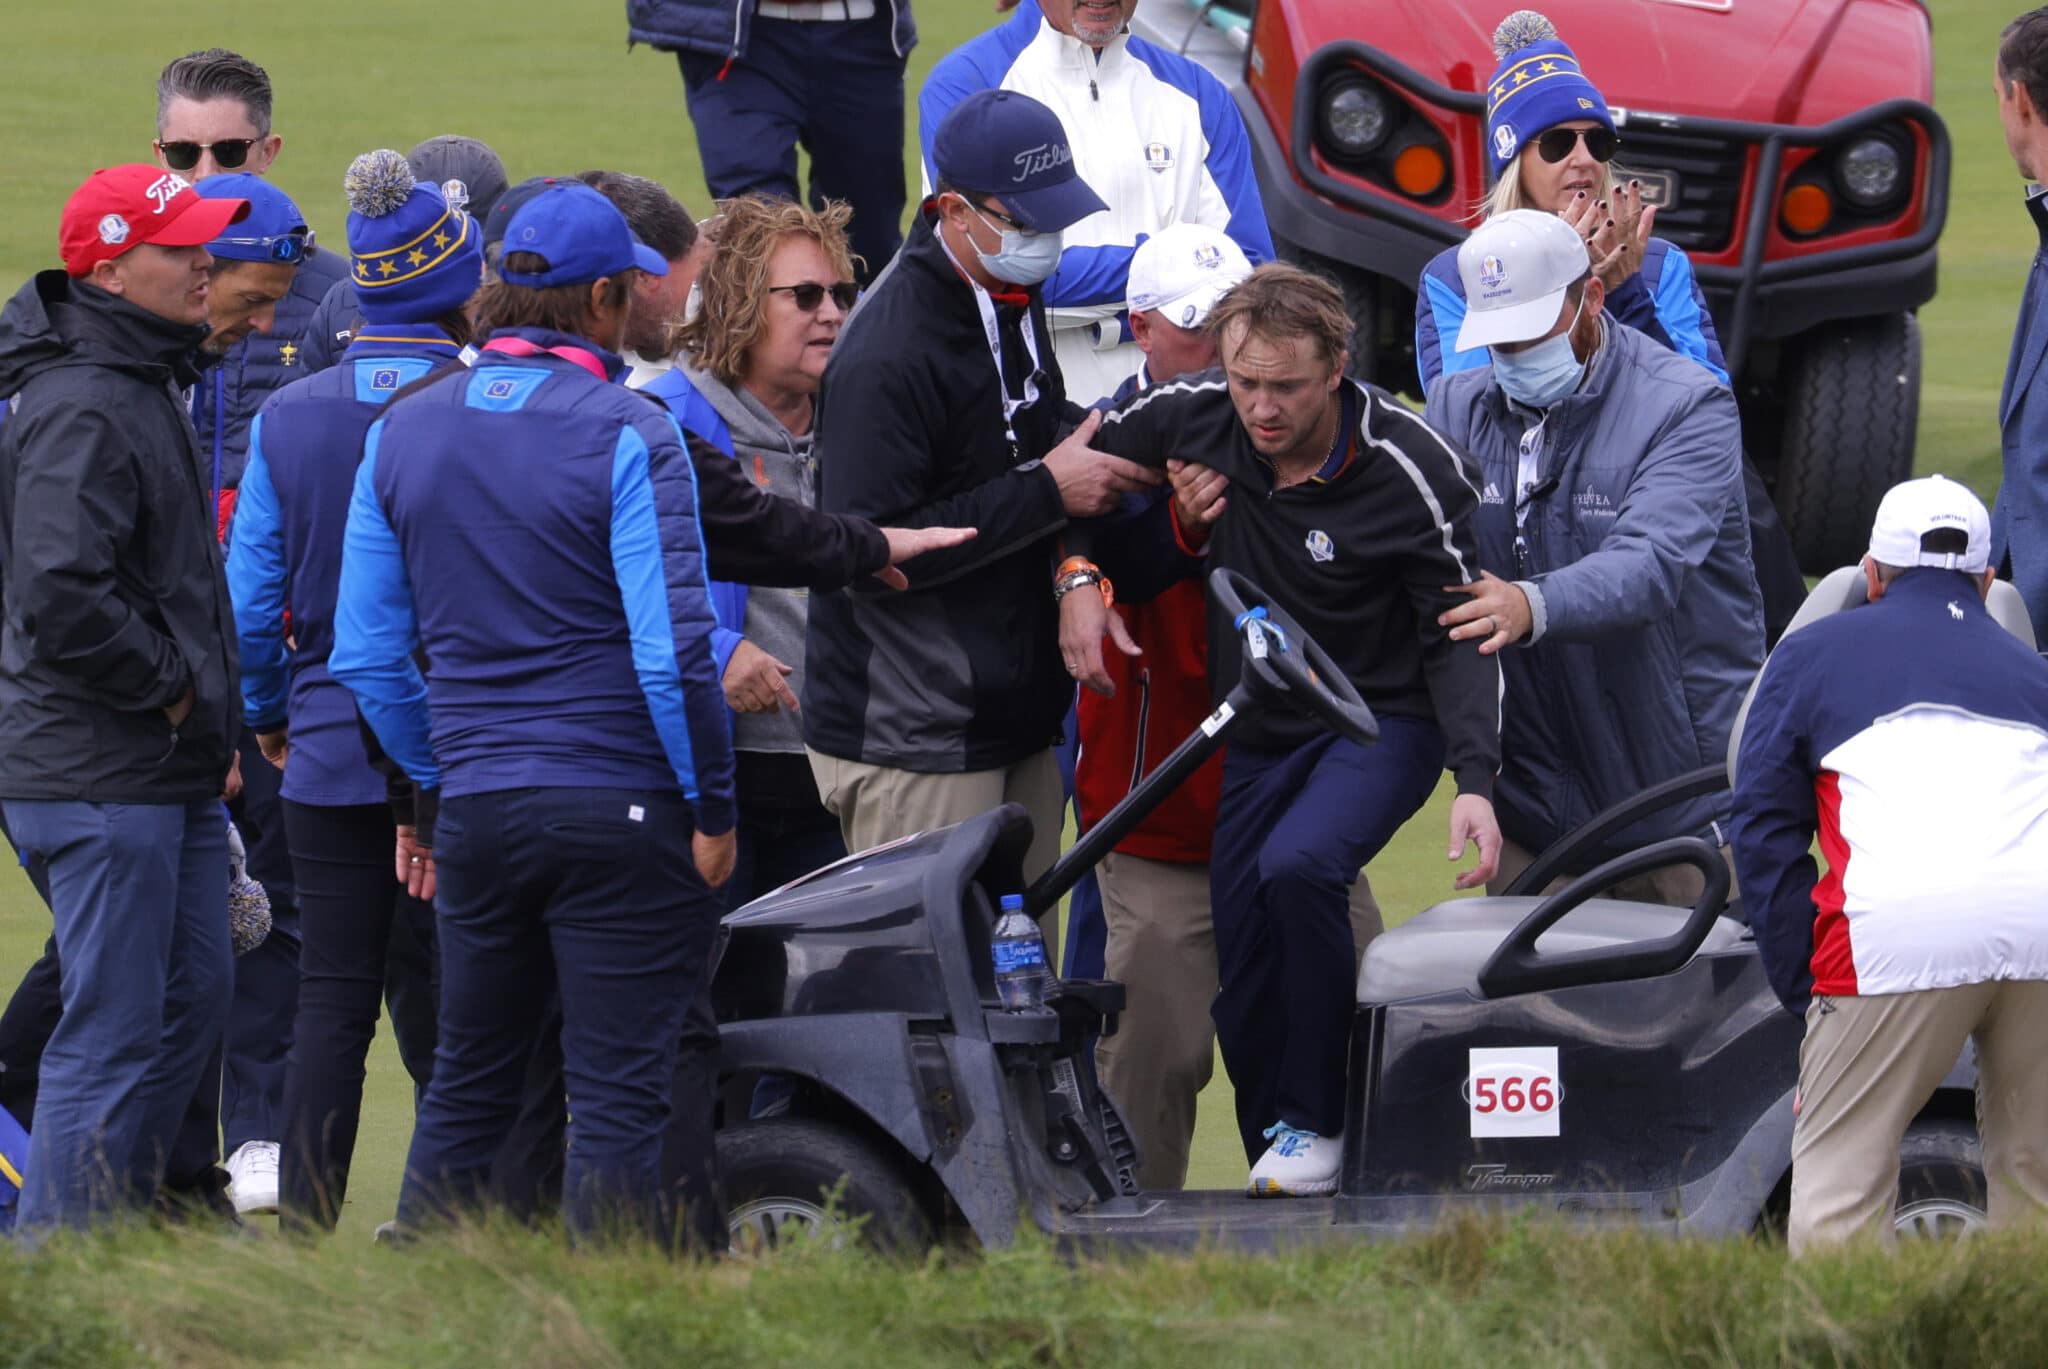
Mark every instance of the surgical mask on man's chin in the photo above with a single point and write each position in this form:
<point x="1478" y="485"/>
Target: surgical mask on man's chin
<point x="1025" y="258"/>
<point x="1541" y="375"/>
<point x="694" y="302"/>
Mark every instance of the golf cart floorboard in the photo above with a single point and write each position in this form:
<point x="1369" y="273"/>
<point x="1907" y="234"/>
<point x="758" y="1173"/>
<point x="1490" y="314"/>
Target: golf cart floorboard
<point x="1211" y="1217"/>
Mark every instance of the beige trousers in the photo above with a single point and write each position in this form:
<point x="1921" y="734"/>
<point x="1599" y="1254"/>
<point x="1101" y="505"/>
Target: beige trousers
<point x="1162" y="946"/>
<point x="876" y="803"/>
<point x="1676" y="885"/>
<point x="1867" y="1067"/>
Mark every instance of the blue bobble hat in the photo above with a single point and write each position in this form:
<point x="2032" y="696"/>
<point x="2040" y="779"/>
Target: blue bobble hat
<point x="1537" y="86"/>
<point x="416" y="259"/>
<point x="273" y="230"/>
<point x="1006" y="144"/>
<point x="581" y="236"/>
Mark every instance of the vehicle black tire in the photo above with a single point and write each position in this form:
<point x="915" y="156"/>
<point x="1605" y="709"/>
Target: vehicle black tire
<point x="1942" y="1191"/>
<point x="792" y="1171"/>
<point x="1852" y="406"/>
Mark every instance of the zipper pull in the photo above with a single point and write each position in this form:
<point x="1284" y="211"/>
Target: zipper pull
<point x="1093" y="93"/>
<point x="1521" y="556"/>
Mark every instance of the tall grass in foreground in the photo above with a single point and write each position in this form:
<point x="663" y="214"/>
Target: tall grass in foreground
<point x="1502" y="1295"/>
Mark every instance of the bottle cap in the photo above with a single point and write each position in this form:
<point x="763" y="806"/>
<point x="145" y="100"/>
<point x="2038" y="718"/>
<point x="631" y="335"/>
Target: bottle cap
<point x="1013" y="901"/>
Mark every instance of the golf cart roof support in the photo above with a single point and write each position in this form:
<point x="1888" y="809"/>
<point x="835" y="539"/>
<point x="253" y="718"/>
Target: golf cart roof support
<point x="1099" y="840"/>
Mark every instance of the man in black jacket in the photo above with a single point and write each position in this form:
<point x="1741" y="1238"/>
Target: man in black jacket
<point x="118" y="684"/>
<point x="1357" y="517"/>
<point x="943" y="405"/>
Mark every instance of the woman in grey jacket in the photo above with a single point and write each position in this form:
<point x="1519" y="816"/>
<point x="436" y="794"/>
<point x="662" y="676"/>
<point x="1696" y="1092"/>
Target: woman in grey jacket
<point x="771" y="303"/>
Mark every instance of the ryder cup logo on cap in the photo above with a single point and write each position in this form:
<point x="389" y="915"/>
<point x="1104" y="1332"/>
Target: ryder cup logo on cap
<point x="1504" y="143"/>
<point x="1912" y="510"/>
<point x="1515" y="269"/>
<point x="456" y="193"/>
<point x="113" y="230"/>
<point x="1182" y="270"/>
<point x="1008" y="146"/>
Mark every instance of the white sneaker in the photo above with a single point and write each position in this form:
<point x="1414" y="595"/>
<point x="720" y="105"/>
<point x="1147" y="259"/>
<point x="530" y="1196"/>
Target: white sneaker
<point x="252" y="1177"/>
<point x="1299" y="1164"/>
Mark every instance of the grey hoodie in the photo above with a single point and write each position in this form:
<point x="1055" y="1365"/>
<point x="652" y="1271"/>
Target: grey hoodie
<point x="781" y="464"/>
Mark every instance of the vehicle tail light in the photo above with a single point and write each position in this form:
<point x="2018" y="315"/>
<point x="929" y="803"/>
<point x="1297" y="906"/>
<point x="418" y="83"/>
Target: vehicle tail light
<point x="1420" y="170"/>
<point x="1806" y="209"/>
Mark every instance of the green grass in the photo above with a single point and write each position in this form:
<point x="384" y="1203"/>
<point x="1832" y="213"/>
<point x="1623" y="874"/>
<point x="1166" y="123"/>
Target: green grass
<point x="1484" y="1296"/>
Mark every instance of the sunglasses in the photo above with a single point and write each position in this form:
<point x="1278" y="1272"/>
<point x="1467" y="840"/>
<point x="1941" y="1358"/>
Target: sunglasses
<point x="228" y="152"/>
<point x="1556" y="144"/>
<point x="289" y="248"/>
<point x="810" y="295"/>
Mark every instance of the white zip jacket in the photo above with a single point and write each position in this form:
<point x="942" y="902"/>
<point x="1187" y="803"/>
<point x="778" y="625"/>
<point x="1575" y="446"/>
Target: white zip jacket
<point x="1154" y="135"/>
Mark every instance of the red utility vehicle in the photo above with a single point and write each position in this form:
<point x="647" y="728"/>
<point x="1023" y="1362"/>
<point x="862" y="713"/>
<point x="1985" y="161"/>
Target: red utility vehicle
<point x="1789" y="145"/>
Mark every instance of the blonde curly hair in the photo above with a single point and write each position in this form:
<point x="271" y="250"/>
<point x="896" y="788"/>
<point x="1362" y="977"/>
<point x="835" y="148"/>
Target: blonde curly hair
<point x="733" y="289"/>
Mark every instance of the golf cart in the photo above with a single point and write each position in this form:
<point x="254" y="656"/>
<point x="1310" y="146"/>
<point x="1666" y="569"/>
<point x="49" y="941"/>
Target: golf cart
<point x="1606" y="1060"/>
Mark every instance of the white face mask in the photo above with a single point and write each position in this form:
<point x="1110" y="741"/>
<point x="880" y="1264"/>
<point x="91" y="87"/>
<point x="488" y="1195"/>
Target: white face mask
<point x="1541" y="375"/>
<point x="1025" y="258"/>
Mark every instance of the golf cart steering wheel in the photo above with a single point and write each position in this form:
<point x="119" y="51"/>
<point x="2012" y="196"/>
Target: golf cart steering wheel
<point x="1282" y="663"/>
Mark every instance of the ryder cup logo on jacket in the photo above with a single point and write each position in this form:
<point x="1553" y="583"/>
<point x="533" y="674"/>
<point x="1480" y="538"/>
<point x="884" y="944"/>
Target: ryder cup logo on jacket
<point x="113" y="230"/>
<point x="166" y="188"/>
<point x="1319" y="546"/>
<point x="1159" y="156"/>
<point x="1034" y="160"/>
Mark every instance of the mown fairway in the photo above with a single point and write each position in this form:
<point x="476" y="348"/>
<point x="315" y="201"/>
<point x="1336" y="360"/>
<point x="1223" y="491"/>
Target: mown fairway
<point x="552" y="87"/>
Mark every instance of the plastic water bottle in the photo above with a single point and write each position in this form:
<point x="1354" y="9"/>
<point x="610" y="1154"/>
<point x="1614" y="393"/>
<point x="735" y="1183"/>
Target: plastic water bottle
<point x="1021" y="975"/>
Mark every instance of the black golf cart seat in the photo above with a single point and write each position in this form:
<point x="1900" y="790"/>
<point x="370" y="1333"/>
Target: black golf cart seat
<point x="1444" y="948"/>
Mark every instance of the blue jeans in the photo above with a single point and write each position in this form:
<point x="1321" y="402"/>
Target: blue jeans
<point x="1293" y="829"/>
<point x="593" y="890"/>
<point x="138" y="893"/>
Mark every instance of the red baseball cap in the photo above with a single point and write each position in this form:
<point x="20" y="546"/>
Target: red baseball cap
<point x="124" y="206"/>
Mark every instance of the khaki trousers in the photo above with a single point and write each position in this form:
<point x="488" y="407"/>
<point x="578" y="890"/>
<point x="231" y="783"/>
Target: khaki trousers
<point x="1676" y="885"/>
<point x="876" y="803"/>
<point x="1867" y="1067"/>
<point x="1162" y="945"/>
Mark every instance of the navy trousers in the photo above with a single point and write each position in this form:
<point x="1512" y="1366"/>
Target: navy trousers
<point x="351" y="906"/>
<point x="137" y="893"/>
<point x="834" y="88"/>
<point x="266" y="996"/>
<point x="1293" y="829"/>
<point x="592" y="891"/>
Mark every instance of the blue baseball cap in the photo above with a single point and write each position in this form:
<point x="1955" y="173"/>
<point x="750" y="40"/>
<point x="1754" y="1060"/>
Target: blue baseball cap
<point x="1008" y="145"/>
<point x="581" y="236"/>
<point x="274" y="229"/>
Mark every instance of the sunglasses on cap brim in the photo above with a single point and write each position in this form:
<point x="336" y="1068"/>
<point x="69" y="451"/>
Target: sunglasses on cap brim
<point x="289" y="248"/>
<point x="1557" y="143"/>
<point x="228" y="152"/>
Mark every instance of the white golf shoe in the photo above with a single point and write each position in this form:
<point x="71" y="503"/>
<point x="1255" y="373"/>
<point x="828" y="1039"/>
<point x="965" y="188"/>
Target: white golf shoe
<point x="252" y="1178"/>
<point x="1299" y="1164"/>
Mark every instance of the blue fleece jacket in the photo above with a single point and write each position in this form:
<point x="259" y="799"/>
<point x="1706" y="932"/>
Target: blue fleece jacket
<point x="532" y="529"/>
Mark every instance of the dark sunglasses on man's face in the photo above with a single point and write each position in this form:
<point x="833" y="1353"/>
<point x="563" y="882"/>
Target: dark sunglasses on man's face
<point x="810" y="295"/>
<point x="1556" y="144"/>
<point x="289" y="248"/>
<point x="228" y="152"/>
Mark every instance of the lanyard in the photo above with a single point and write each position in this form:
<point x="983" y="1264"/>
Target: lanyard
<point x="520" y="347"/>
<point x="993" y="329"/>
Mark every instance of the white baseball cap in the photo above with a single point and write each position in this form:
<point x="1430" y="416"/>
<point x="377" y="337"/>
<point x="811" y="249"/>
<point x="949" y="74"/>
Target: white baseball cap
<point x="1516" y="268"/>
<point x="1911" y="510"/>
<point x="1182" y="270"/>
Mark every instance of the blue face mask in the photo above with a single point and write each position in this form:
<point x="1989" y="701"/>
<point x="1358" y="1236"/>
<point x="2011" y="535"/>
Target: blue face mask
<point x="1025" y="258"/>
<point x="1541" y="375"/>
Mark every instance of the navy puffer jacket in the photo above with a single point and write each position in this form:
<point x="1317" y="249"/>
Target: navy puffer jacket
<point x="720" y="26"/>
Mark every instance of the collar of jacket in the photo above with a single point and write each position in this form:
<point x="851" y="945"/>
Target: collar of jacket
<point x="1932" y="585"/>
<point x="1077" y="60"/>
<point x="614" y="364"/>
<point x="752" y="426"/>
<point x="384" y="340"/>
<point x="2037" y="210"/>
<point x="95" y="328"/>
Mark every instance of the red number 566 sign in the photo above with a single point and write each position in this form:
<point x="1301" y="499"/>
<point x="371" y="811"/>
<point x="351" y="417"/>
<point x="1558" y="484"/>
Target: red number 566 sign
<point x="1513" y="1091"/>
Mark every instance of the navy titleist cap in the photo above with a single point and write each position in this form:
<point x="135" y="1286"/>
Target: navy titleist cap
<point x="581" y="235"/>
<point x="1008" y="145"/>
